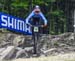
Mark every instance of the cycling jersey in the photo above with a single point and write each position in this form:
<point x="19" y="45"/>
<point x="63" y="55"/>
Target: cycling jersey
<point x="39" y="15"/>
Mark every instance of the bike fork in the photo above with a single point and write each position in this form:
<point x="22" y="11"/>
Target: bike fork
<point x="35" y="43"/>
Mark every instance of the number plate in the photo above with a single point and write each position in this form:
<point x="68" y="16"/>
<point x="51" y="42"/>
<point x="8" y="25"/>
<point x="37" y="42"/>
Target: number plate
<point x="36" y="29"/>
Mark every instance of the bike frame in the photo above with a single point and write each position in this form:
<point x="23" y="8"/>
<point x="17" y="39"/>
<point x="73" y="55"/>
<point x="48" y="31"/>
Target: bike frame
<point x="36" y="38"/>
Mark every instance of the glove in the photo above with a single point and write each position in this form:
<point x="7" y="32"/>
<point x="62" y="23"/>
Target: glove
<point x="43" y="25"/>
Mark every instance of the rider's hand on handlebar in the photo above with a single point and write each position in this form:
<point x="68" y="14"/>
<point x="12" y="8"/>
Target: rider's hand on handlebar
<point x="43" y="25"/>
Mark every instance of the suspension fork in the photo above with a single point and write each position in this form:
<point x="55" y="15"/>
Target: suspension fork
<point x="35" y="43"/>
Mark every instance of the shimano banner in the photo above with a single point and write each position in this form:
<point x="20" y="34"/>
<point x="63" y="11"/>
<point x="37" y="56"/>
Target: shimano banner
<point x="15" y="24"/>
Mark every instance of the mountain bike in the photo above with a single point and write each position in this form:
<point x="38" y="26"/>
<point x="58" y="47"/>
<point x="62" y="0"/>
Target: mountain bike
<point x="36" y="36"/>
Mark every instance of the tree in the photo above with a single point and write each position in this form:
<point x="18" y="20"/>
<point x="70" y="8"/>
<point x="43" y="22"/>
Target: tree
<point x="54" y="10"/>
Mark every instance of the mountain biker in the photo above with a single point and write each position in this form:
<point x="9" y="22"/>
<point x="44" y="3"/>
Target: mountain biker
<point x="36" y="16"/>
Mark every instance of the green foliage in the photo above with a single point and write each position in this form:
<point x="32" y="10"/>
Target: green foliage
<point x="18" y="3"/>
<point x="57" y="13"/>
<point x="51" y="1"/>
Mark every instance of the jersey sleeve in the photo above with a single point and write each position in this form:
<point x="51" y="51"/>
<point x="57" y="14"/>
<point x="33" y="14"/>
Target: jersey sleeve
<point x="43" y="17"/>
<point x="28" y="18"/>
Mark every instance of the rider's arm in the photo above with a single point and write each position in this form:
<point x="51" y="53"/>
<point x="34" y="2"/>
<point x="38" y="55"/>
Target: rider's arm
<point x="28" y="18"/>
<point x="43" y="17"/>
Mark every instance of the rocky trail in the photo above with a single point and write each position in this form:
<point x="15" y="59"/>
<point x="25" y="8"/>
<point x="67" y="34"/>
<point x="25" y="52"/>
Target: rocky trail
<point x="59" y="57"/>
<point x="14" y="46"/>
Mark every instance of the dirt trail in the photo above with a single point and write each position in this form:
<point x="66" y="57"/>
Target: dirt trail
<point x="60" y="57"/>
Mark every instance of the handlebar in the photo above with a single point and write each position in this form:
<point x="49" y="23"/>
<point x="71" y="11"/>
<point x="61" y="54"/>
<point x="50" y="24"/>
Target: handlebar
<point x="36" y="26"/>
<point x="42" y="26"/>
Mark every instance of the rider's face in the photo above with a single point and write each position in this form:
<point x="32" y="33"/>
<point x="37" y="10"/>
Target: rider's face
<point x="37" y="11"/>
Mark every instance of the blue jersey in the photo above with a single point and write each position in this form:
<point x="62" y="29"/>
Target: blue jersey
<point x="39" y="15"/>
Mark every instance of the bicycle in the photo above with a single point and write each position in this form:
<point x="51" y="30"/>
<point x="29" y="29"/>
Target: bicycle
<point x="36" y="34"/>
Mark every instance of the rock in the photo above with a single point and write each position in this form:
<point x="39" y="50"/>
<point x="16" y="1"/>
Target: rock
<point x="2" y="49"/>
<point x="7" y="53"/>
<point x="23" y="51"/>
<point x="62" y="43"/>
<point x="20" y="52"/>
<point x="52" y="49"/>
<point x="28" y="48"/>
<point x="18" y="40"/>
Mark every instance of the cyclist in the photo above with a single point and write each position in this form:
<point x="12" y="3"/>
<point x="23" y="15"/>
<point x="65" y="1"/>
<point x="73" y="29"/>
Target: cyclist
<point x="36" y="16"/>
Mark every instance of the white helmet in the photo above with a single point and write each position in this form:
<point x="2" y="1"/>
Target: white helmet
<point x="37" y="6"/>
<point x="37" y="9"/>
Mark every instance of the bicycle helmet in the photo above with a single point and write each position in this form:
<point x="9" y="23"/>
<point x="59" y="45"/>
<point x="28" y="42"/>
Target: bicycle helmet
<point x="37" y="9"/>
